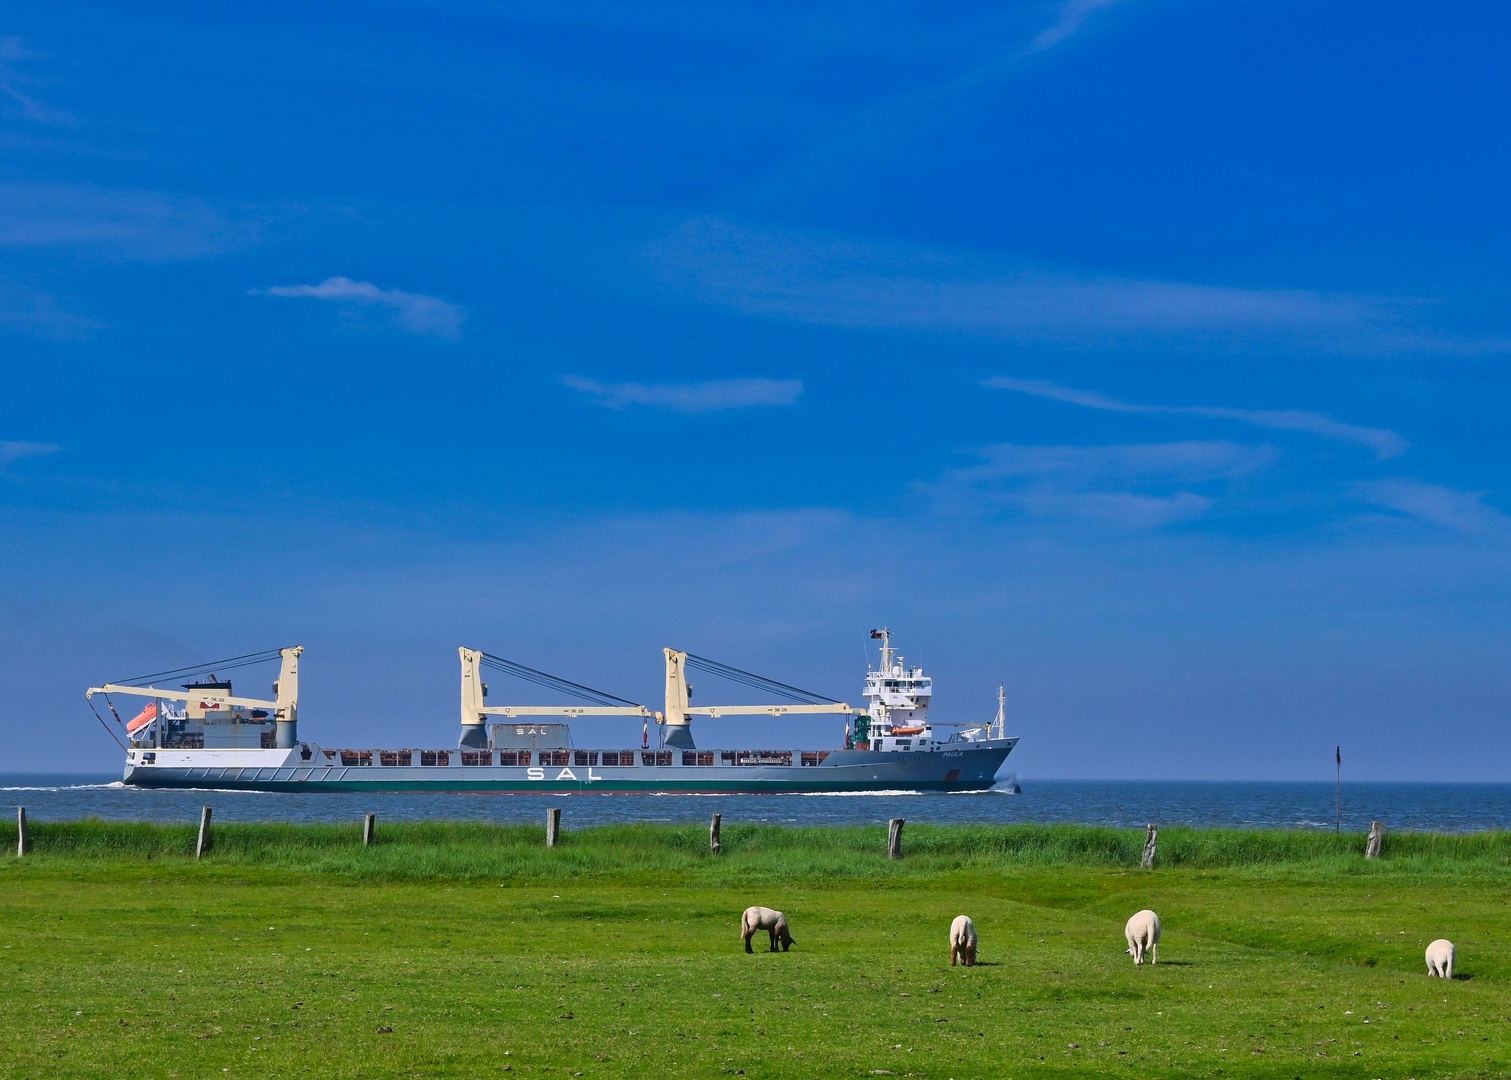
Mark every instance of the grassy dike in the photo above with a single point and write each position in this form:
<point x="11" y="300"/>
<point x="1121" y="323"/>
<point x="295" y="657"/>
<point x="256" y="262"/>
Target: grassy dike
<point x="290" y="949"/>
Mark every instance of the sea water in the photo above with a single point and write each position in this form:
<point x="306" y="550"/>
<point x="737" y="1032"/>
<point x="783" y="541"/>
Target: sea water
<point x="1402" y="806"/>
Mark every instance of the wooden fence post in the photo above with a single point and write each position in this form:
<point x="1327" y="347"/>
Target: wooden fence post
<point x="894" y="838"/>
<point x="1376" y="838"/>
<point x="369" y="827"/>
<point x="22" y="842"/>
<point x="204" y="833"/>
<point x="713" y="835"/>
<point x="1151" y="835"/>
<point x="553" y="826"/>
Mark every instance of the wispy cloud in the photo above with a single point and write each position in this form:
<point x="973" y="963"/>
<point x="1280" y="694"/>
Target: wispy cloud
<point x="148" y="226"/>
<point x="1385" y="443"/>
<point x="24" y="310"/>
<point x="414" y="312"/>
<point x="15" y="451"/>
<point x="821" y="278"/>
<point x="1450" y="508"/>
<point x="990" y="54"/>
<point x="12" y="53"/>
<point x="1137" y="485"/>
<point x="1072" y="16"/>
<point x="697" y="397"/>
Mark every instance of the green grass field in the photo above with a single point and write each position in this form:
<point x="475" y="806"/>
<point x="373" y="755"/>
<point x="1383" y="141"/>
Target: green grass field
<point x="470" y="951"/>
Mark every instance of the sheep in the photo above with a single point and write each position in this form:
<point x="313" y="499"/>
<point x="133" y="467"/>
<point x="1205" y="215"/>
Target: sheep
<point x="963" y="941"/>
<point x="1142" y="933"/>
<point x="763" y="918"/>
<point x="1440" y="957"/>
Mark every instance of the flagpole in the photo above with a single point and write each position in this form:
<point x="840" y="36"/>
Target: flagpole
<point x="1338" y="824"/>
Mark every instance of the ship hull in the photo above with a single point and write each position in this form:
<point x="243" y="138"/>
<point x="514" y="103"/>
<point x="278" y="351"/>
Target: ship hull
<point x="948" y="767"/>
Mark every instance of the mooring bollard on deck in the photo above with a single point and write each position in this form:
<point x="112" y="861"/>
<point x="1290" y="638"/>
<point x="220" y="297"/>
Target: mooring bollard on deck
<point x="894" y="838"/>
<point x="553" y="826"/>
<point x="204" y="833"/>
<point x="21" y="840"/>
<point x="1376" y="839"/>
<point x="1150" y="837"/>
<point x="369" y="826"/>
<point x="713" y="835"/>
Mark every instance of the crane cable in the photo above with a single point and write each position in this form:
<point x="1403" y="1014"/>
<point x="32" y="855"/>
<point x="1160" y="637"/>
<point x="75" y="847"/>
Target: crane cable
<point x="104" y="725"/>
<point x="229" y="664"/>
<point x="759" y="682"/>
<point x="555" y="682"/>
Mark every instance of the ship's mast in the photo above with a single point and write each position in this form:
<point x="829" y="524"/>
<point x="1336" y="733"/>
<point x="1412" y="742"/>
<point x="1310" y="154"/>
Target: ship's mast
<point x="886" y="649"/>
<point x="1001" y="722"/>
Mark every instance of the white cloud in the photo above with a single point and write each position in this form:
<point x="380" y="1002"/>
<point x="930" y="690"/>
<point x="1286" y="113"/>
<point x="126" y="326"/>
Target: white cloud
<point x="1110" y="483"/>
<point x="1461" y="511"/>
<point x="12" y="53"/>
<point x="14" y="451"/>
<point x="1072" y="15"/>
<point x="697" y="397"/>
<point x="1385" y="443"/>
<point x="824" y="279"/>
<point x="414" y="312"/>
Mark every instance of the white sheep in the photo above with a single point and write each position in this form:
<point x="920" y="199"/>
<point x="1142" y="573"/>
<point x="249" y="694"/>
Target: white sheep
<point x="763" y="918"/>
<point x="963" y="941"/>
<point x="1440" y="956"/>
<point x="1142" y="933"/>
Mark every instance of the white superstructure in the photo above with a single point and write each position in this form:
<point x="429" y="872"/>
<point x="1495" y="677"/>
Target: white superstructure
<point x="897" y="714"/>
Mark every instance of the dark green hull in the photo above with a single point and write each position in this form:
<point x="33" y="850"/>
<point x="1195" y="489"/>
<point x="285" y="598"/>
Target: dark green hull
<point x="950" y="767"/>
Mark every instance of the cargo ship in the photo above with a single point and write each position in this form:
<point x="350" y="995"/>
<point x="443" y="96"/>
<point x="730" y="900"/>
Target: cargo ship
<point x="200" y="734"/>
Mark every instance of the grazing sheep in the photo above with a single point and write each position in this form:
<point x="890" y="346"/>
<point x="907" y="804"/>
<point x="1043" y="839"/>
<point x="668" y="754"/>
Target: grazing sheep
<point x="1440" y="956"/>
<point x="763" y="918"/>
<point x="963" y="941"/>
<point x="1142" y="933"/>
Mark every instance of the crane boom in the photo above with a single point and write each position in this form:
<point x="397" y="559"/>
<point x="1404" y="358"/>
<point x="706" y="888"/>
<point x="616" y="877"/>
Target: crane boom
<point x="475" y="710"/>
<point x="678" y="709"/>
<point x="285" y="708"/>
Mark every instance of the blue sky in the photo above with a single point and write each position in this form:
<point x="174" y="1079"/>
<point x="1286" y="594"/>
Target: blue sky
<point x="1147" y="356"/>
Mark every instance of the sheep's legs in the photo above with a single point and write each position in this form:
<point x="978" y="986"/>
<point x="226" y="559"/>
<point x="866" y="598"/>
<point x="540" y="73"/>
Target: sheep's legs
<point x="952" y="956"/>
<point x="1154" y="953"/>
<point x="747" y="943"/>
